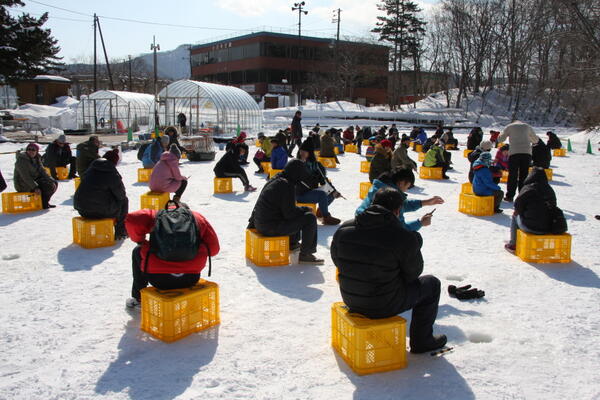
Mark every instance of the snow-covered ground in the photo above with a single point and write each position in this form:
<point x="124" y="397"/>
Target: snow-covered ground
<point x="65" y="334"/>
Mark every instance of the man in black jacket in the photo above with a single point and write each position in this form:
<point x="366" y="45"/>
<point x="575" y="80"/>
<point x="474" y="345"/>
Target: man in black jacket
<point x="276" y="214"/>
<point x="58" y="154"/>
<point x="229" y="166"/>
<point x="101" y="193"/>
<point x="379" y="264"/>
<point x="86" y="153"/>
<point x="296" y="132"/>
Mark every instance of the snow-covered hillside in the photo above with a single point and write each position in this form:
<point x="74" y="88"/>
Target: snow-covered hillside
<point x="172" y="64"/>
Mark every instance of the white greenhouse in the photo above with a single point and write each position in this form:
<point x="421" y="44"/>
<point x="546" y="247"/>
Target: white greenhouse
<point x="114" y="111"/>
<point x="208" y="108"/>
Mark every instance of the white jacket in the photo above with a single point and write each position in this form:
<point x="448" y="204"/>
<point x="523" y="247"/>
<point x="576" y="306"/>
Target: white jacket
<point x="520" y="137"/>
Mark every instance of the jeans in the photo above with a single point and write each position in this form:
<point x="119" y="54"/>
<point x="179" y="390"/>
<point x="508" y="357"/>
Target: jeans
<point x="518" y="168"/>
<point x="319" y="197"/>
<point x="515" y="224"/>
<point x="305" y="224"/>
<point x="423" y="296"/>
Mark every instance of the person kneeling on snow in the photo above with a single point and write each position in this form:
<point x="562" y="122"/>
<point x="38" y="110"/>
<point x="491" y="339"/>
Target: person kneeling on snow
<point x="379" y="264"/>
<point x="101" y="193"/>
<point x="162" y="273"/>
<point x="401" y="180"/>
<point x="483" y="183"/>
<point x="276" y="214"/>
<point x="229" y="167"/>
<point x="166" y="176"/>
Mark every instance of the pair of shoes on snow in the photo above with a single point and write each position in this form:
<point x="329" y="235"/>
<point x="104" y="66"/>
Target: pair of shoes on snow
<point x="48" y="206"/>
<point x="445" y="177"/>
<point x="510" y="248"/>
<point x="436" y="342"/>
<point x="465" y="292"/>
<point x="328" y="220"/>
<point x="249" y="188"/>
<point x="310" y="259"/>
<point x="132" y="303"/>
<point x="294" y="246"/>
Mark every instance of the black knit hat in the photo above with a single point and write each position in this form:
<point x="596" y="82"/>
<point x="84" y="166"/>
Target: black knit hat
<point x="307" y="145"/>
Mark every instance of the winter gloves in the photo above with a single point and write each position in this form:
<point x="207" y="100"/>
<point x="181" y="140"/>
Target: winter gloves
<point x="465" y="292"/>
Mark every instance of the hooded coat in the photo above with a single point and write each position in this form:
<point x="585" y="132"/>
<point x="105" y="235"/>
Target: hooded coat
<point x="376" y="259"/>
<point x="531" y="205"/>
<point x="380" y="163"/>
<point x="327" y="145"/>
<point x="166" y="176"/>
<point x="279" y="157"/>
<point x="229" y="163"/>
<point x="28" y="172"/>
<point x="87" y="152"/>
<point x="57" y="156"/>
<point x="434" y="156"/>
<point x="401" y="160"/>
<point x="152" y="153"/>
<point x="101" y="191"/>
<point x="483" y="182"/>
<point x="553" y="141"/>
<point x="541" y="155"/>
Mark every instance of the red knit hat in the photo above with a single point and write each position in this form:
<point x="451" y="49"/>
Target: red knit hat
<point x="386" y="143"/>
<point x="112" y="156"/>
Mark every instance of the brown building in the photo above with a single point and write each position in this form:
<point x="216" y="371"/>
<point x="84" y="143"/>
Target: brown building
<point x="275" y="63"/>
<point x="43" y="89"/>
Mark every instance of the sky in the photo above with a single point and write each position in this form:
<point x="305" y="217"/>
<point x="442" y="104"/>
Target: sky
<point x="194" y="21"/>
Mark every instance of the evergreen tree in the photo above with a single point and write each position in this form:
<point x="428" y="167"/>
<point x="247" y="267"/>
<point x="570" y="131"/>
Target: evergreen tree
<point x="26" y="48"/>
<point x="402" y="27"/>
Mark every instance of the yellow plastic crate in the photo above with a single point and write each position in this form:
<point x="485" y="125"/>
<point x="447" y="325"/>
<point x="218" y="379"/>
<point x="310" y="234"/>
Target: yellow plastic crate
<point x="266" y="166"/>
<point x="144" y="174"/>
<point x="500" y="144"/>
<point x="430" y="172"/>
<point x="365" y="166"/>
<point x="504" y="177"/>
<point x="418" y="147"/>
<point x="18" y="202"/>
<point x="450" y="146"/>
<point x="548" y="172"/>
<point x="184" y="156"/>
<point x="336" y="150"/>
<point x="368" y="345"/>
<point x="337" y="275"/>
<point x="466" y="188"/>
<point x="62" y="173"/>
<point x="421" y="157"/>
<point x="154" y="200"/>
<point x="365" y="142"/>
<point x="274" y="172"/>
<point x="77" y="182"/>
<point x="466" y="153"/>
<point x="223" y="185"/>
<point x="257" y="143"/>
<point x="313" y="206"/>
<point x="351" y="148"/>
<point x="543" y="248"/>
<point x="559" y="152"/>
<point x="267" y="251"/>
<point x="93" y="233"/>
<point x="170" y="315"/>
<point x="476" y="205"/>
<point x="328" y="162"/>
<point x="364" y="189"/>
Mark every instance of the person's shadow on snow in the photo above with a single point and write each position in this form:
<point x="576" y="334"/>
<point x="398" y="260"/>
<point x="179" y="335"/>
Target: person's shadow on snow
<point x="8" y="219"/>
<point x="292" y="281"/>
<point x="571" y="273"/>
<point x="76" y="258"/>
<point x="152" y="369"/>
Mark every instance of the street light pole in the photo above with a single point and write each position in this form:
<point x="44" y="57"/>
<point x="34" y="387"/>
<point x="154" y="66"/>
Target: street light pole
<point x="299" y="7"/>
<point x="155" y="47"/>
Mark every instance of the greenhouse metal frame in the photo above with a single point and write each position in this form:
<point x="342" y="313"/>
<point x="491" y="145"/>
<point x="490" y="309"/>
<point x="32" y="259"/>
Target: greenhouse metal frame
<point x="208" y="107"/>
<point x="102" y="109"/>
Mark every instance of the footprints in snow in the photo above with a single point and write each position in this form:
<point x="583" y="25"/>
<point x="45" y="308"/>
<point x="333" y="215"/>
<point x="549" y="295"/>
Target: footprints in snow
<point x="8" y="257"/>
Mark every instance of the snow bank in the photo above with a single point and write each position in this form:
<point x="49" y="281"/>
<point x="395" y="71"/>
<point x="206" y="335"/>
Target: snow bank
<point x="61" y="115"/>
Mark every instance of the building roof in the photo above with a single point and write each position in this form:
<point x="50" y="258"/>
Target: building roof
<point x="51" y="78"/>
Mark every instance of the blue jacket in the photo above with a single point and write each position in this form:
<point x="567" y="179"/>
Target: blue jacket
<point x="279" y="158"/>
<point x="152" y="154"/>
<point x="422" y="136"/>
<point x="407" y="205"/>
<point x="483" y="183"/>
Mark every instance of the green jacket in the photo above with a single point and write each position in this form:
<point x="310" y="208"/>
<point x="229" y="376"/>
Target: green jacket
<point x="266" y="146"/>
<point x="86" y="153"/>
<point x="401" y="160"/>
<point x="434" y="156"/>
<point x="28" y="171"/>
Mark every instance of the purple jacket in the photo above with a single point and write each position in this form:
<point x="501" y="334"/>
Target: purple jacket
<point x="165" y="174"/>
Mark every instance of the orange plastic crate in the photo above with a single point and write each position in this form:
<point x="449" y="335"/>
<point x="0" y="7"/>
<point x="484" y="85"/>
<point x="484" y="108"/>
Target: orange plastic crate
<point x="77" y="182"/>
<point x="266" y="166"/>
<point x="144" y="174"/>
<point x="223" y="185"/>
<point x="450" y="146"/>
<point x="93" y="233"/>
<point x="267" y="251"/>
<point x="154" y="200"/>
<point x="466" y="152"/>
<point x="466" y="188"/>
<point x="368" y="345"/>
<point x="504" y="177"/>
<point x="62" y="173"/>
<point x="18" y="202"/>
<point x="418" y="147"/>
<point x="421" y="157"/>
<point x="548" y="172"/>
<point x="543" y="248"/>
<point x="351" y="148"/>
<point x="430" y="172"/>
<point x="476" y="205"/>
<point x="365" y="166"/>
<point x="364" y="189"/>
<point x="313" y="206"/>
<point x="170" y="315"/>
<point x="365" y="142"/>
<point x="559" y="152"/>
<point x="274" y="172"/>
<point x="328" y="162"/>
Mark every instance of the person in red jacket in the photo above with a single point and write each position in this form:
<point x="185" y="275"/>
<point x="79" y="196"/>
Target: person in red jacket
<point x="163" y="274"/>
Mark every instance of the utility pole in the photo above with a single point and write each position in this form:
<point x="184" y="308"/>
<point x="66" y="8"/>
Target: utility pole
<point x="299" y="7"/>
<point x="336" y="19"/>
<point x="130" y="81"/>
<point x="155" y="47"/>
<point x="95" y="61"/>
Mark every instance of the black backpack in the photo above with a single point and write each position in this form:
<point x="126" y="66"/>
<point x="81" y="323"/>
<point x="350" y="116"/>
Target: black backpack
<point x="141" y="150"/>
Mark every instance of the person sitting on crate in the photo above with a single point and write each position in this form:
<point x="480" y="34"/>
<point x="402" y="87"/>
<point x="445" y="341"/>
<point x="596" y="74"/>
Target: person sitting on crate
<point x="474" y="139"/>
<point x="553" y="141"/>
<point x="535" y="209"/>
<point x="381" y="161"/>
<point x="87" y="152"/>
<point x="435" y="158"/>
<point x="173" y="135"/>
<point x="348" y="135"/>
<point x="153" y="151"/>
<point x="241" y="141"/>
<point x="264" y="153"/>
<point x="276" y="214"/>
<point x="101" y="193"/>
<point x="448" y="138"/>
<point x="494" y="137"/>
<point x="2" y="183"/>
<point x="282" y="139"/>
<point x="541" y="156"/>
<point x="164" y="263"/>
<point x="401" y="180"/>
<point x="30" y="175"/>
<point x="483" y="183"/>
<point x="380" y="264"/>
<point x="485" y="146"/>
<point x="400" y="158"/>
<point x="316" y="188"/>
<point x="229" y="167"/>
<point x="500" y="162"/>
<point x="58" y="154"/>
<point x="279" y="155"/>
<point x="327" y="145"/>
<point x="166" y="176"/>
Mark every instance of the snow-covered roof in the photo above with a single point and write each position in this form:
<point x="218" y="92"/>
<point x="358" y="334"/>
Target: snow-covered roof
<point x="51" y="78"/>
<point x="143" y="100"/>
